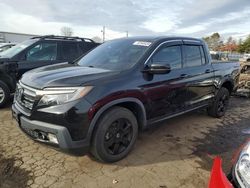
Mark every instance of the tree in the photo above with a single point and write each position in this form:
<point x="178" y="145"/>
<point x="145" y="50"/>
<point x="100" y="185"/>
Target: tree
<point x="240" y="41"/>
<point x="245" y="46"/>
<point x="230" y="45"/>
<point x="229" y="40"/>
<point x="97" y="39"/>
<point x="67" y="31"/>
<point x="214" y="41"/>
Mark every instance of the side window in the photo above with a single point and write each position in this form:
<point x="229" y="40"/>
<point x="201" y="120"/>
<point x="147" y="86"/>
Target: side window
<point x="168" y="55"/>
<point x="82" y="47"/>
<point x="70" y="50"/>
<point x="192" y="56"/>
<point x="44" y="51"/>
<point x="203" y="59"/>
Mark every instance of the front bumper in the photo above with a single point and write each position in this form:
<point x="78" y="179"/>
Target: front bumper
<point x="37" y="129"/>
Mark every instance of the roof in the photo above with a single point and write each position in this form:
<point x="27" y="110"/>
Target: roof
<point x="55" y="37"/>
<point x="157" y="38"/>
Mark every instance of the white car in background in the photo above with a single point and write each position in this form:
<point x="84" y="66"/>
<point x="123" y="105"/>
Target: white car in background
<point x="246" y="58"/>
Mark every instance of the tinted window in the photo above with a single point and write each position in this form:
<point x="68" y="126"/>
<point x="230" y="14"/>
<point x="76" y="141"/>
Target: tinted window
<point x="168" y="55"/>
<point x="46" y="51"/>
<point x="86" y="46"/>
<point x="82" y="47"/>
<point x="192" y="56"/>
<point x="69" y="50"/>
<point x="203" y="59"/>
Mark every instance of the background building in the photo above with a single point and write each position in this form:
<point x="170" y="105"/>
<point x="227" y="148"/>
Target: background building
<point x="14" y="37"/>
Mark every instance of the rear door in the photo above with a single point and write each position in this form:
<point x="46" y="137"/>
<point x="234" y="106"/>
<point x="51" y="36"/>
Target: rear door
<point x="40" y="54"/>
<point x="200" y="73"/>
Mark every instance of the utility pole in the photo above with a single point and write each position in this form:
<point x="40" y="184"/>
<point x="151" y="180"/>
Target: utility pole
<point x="103" y="34"/>
<point x="126" y="33"/>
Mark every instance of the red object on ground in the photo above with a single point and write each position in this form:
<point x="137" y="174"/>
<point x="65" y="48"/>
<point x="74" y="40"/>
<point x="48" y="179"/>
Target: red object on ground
<point x="218" y="178"/>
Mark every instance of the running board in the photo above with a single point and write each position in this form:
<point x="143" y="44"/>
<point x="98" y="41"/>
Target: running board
<point x="153" y="121"/>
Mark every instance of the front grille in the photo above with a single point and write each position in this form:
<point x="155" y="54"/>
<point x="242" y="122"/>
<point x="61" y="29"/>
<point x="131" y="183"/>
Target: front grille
<point x="25" y="97"/>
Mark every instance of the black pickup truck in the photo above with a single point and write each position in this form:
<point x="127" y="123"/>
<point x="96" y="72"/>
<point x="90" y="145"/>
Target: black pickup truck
<point x="100" y="102"/>
<point x="37" y="52"/>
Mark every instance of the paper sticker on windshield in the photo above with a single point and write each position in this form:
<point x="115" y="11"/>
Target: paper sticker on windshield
<point x="141" y="43"/>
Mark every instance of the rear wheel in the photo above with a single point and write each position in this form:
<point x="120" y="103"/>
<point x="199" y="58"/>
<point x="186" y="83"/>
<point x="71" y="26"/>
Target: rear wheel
<point x="115" y="135"/>
<point x="4" y="94"/>
<point x="219" y="106"/>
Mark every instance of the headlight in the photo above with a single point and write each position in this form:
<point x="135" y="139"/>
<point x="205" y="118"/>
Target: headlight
<point x="56" y="96"/>
<point x="242" y="170"/>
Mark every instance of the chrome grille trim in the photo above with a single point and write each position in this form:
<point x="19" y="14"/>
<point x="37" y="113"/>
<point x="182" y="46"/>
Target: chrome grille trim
<point x="19" y="108"/>
<point x="25" y="97"/>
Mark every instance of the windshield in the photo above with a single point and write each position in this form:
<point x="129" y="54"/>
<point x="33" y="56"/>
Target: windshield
<point x="11" y="52"/>
<point x="115" y="55"/>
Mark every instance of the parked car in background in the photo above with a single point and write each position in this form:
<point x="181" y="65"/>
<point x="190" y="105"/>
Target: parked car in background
<point x="245" y="58"/>
<point x="37" y="52"/>
<point x="6" y="46"/>
<point x="226" y="56"/>
<point x="99" y="102"/>
<point x="239" y="176"/>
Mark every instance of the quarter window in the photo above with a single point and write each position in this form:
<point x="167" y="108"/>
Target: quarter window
<point x="170" y="55"/>
<point x="192" y="56"/>
<point x="69" y="50"/>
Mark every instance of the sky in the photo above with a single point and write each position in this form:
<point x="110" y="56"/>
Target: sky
<point x="195" y="18"/>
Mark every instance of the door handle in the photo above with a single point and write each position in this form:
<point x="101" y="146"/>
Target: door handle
<point x="183" y="75"/>
<point x="208" y="71"/>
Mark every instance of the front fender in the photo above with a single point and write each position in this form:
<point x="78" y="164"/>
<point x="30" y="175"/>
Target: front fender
<point x="96" y="116"/>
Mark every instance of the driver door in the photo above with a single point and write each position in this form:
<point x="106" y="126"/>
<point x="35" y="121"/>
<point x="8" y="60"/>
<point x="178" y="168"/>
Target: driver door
<point x="167" y="92"/>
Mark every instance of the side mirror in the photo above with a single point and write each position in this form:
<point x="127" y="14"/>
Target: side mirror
<point x="157" y="69"/>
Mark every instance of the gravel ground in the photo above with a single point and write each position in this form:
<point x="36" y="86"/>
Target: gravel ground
<point x="175" y="153"/>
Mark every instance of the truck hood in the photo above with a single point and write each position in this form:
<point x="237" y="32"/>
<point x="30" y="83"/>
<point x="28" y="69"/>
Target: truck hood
<point x="63" y="75"/>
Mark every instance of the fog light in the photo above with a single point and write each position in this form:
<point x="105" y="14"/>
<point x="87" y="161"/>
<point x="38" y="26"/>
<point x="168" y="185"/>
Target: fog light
<point x="52" y="138"/>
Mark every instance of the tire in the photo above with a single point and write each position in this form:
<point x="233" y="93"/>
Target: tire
<point x="219" y="106"/>
<point x="115" y="135"/>
<point x="4" y="94"/>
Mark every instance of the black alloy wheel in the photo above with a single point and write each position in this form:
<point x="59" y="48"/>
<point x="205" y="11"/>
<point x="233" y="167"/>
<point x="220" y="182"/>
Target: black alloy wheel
<point x="115" y="135"/>
<point x="118" y="136"/>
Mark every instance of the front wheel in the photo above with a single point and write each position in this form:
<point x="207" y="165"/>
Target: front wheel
<point x="4" y="94"/>
<point x="115" y="135"/>
<point x="219" y="106"/>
